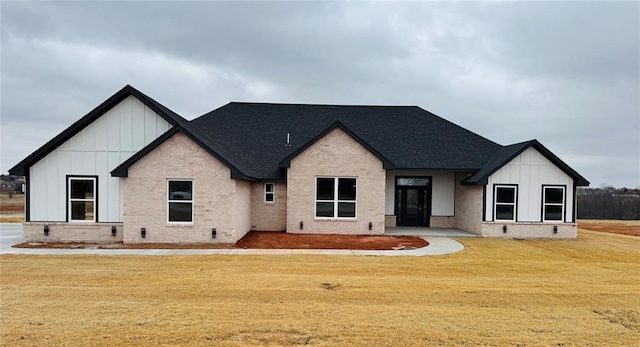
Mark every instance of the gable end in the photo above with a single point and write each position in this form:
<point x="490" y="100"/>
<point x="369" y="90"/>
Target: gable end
<point x="171" y="117"/>
<point x="387" y="164"/>
<point x="501" y="159"/>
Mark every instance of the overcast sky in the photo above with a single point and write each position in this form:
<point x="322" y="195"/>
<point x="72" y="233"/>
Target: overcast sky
<point x="565" y="73"/>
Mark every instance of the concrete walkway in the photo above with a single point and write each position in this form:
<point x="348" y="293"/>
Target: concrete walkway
<point x="11" y="234"/>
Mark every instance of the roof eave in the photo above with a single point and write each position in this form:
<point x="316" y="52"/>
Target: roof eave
<point x="386" y="163"/>
<point x="122" y="170"/>
<point x="168" y="115"/>
<point x="577" y="178"/>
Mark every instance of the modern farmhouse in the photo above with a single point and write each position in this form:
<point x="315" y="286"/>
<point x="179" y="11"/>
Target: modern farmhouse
<point x="132" y="170"/>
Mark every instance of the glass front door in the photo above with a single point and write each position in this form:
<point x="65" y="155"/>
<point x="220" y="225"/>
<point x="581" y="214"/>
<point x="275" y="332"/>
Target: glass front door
<point x="413" y="197"/>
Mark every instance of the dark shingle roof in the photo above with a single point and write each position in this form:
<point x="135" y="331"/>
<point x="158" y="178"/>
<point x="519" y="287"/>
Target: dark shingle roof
<point x="407" y="136"/>
<point x="251" y="138"/>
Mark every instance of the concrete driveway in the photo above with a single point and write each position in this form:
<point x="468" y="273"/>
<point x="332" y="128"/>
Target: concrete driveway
<point x="11" y="234"/>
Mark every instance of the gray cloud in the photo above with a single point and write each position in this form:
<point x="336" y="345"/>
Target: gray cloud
<point x="565" y="73"/>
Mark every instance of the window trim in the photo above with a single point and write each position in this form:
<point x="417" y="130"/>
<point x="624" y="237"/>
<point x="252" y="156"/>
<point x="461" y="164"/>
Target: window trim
<point x="181" y="201"/>
<point x="272" y="193"/>
<point x="514" y="204"/>
<point x="336" y="200"/>
<point x="544" y="204"/>
<point x="95" y="198"/>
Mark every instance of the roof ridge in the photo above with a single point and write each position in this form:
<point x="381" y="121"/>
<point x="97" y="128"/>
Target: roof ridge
<point x="313" y="104"/>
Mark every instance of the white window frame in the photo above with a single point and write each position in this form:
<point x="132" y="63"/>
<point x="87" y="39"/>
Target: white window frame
<point x="169" y="201"/>
<point x="335" y="201"/>
<point x="545" y="204"/>
<point x="496" y="203"/>
<point x="272" y="192"/>
<point x="94" y="200"/>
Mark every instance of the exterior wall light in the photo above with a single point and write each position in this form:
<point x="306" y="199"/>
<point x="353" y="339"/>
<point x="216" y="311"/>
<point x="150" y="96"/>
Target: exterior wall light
<point x="46" y="230"/>
<point x="301" y="225"/>
<point x="113" y="230"/>
<point x="370" y="226"/>
<point x="213" y="233"/>
<point x="143" y="233"/>
<point x="504" y="228"/>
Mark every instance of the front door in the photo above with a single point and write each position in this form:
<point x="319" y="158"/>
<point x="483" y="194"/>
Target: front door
<point x="413" y="202"/>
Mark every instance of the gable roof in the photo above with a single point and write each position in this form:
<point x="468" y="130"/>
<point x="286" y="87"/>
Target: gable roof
<point x="238" y="171"/>
<point x="168" y="115"/>
<point x="257" y="141"/>
<point x="507" y="153"/>
<point x="286" y="162"/>
<point x="407" y="137"/>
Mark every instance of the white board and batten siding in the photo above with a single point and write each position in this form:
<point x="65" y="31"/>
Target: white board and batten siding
<point x="530" y="171"/>
<point x="94" y="151"/>
<point x="443" y="187"/>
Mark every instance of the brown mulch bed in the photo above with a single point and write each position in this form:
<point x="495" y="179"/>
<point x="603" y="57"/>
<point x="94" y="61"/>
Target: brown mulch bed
<point x="264" y="240"/>
<point x="11" y="208"/>
<point x="279" y="240"/>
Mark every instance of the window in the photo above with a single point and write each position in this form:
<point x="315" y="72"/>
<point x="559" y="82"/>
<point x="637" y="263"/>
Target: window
<point x="552" y="203"/>
<point x="269" y="192"/>
<point x="82" y="199"/>
<point x="505" y="198"/>
<point x="335" y="197"/>
<point x="180" y="202"/>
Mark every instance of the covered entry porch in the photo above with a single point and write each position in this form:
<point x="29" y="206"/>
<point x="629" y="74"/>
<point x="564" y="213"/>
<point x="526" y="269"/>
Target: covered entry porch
<point x="430" y="199"/>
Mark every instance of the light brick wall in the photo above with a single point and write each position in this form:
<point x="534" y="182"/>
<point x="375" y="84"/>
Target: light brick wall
<point x="530" y="230"/>
<point x="336" y="154"/>
<point x="72" y="232"/>
<point x="215" y="194"/>
<point x="269" y="216"/>
<point x="442" y="222"/>
<point x="468" y="206"/>
<point x="242" y="210"/>
<point x="390" y="221"/>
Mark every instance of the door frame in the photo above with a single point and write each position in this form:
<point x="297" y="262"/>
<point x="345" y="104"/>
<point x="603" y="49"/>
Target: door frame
<point x="426" y="189"/>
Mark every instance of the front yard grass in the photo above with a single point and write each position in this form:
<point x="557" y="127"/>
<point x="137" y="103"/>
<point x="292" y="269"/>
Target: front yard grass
<point x="496" y="292"/>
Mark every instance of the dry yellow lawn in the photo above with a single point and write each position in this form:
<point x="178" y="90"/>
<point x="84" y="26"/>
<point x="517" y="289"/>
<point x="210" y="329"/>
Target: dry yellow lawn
<point x="582" y="292"/>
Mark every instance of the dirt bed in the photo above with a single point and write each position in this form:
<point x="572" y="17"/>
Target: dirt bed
<point x="297" y="241"/>
<point x="264" y="240"/>
<point x="16" y="209"/>
<point x="615" y="227"/>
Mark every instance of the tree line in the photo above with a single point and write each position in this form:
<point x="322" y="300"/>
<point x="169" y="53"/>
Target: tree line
<point x="608" y="203"/>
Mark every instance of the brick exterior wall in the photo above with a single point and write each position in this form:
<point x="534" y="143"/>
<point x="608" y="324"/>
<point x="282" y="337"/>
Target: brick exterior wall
<point x="468" y="206"/>
<point x="269" y="216"/>
<point x="390" y="221"/>
<point x="218" y="201"/>
<point x="524" y="230"/>
<point x="442" y="222"/>
<point x="72" y="232"/>
<point x="242" y="210"/>
<point x="336" y="155"/>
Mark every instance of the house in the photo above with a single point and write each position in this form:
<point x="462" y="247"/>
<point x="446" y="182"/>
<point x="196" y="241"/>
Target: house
<point x="132" y="170"/>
